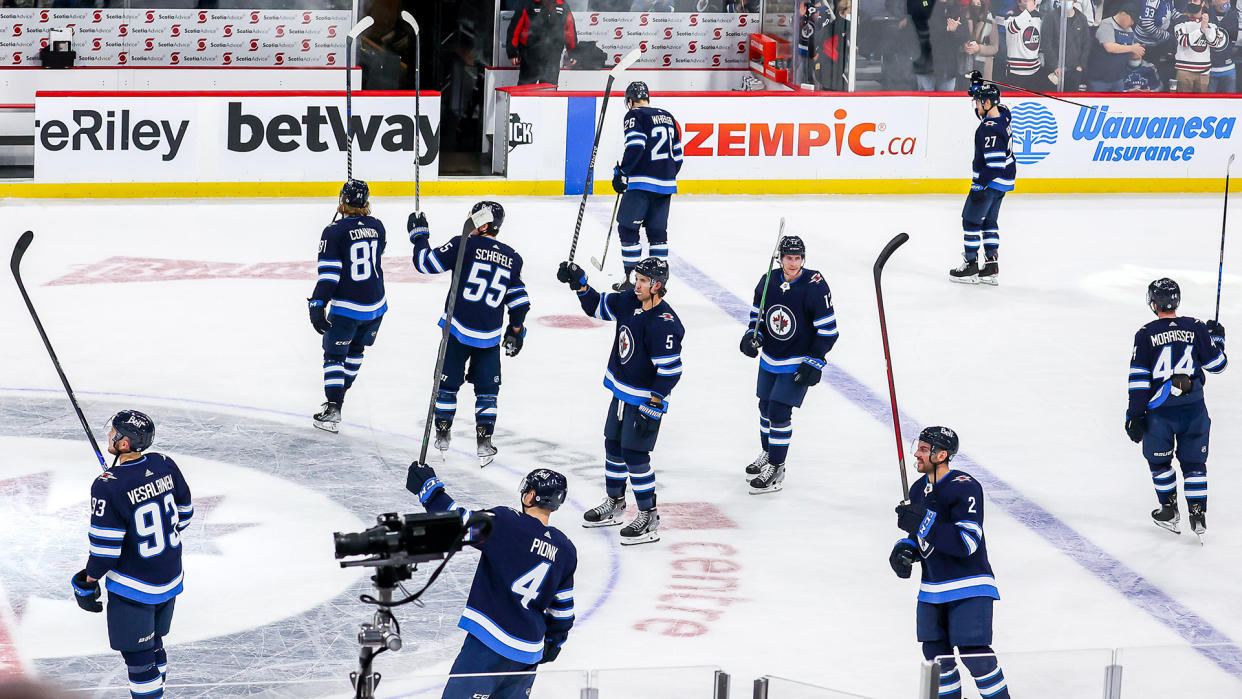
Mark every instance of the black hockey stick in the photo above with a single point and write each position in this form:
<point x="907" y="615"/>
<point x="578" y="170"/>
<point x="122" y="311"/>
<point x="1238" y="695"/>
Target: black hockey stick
<point x="409" y="19"/>
<point x="15" y="263"/>
<point x="877" y="270"/>
<point x="767" y="279"/>
<point x="476" y="219"/>
<point x="599" y="264"/>
<point x="625" y="62"/>
<point x="977" y="77"/>
<point x="362" y="25"/>
<point x="1220" y="267"/>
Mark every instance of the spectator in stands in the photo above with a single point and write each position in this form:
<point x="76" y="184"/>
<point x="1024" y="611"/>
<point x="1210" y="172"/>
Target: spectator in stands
<point x="1142" y="77"/>
<point x="539" y="33"/>
<point x="1154" y="30"/>
<point x="1197" y="38"/>
<point x="1078" y="42"/>
<point x="1024" y="47"/>
<point x="832" y="49"/>
<point x="948" y="34"/>
<point x="982" y="41"/>
<point x="1224" y="77"/>
<point x="1115" y="48"/>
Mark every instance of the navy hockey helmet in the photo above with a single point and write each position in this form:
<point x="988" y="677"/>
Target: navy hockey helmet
<point x="137" y="427"/>
<point x="498" y="213"/>
<point x="654" y="269"/>
<point x="1163" y="295"/>
<point x="792" y="245"/>
<point x="637" y="92"/>
<point x="985" y="91"/>
<point x="549" y="486"/>
<point x="940" y="438"/>
<point x="355" y="193"/>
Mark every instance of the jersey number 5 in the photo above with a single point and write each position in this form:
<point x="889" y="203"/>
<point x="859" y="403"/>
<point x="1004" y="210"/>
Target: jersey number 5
<point x="150" y="526"/>
<point x="527" y="587"/>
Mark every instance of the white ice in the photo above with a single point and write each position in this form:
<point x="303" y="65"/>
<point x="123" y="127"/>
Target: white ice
<point x="1032" y="375"/>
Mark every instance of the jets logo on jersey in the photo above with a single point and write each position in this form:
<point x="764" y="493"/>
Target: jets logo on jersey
<point x="817" y="277"/>
<point x="666" y="316"/>
<point x="1030" y="38"/>
<point x="107" y="476"/>
<point x="781" y="322"/>
<point x="625" y="345"/>
<point x="962" y="479"/>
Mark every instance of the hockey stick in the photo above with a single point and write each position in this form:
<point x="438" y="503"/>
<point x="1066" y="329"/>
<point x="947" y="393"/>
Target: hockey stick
<point x="362" y="25"/>
<point x="975" y="76"/>
<point x="767" y="279"/>
<point x="625" y="62"/>
<point x="877" y="270"/>
<point x="599" y="264"/>
<point x="409" y="19"/>
<point x="15" y="262"/>
<point x="476" y="219"/>
<point x="1220" y="267"/>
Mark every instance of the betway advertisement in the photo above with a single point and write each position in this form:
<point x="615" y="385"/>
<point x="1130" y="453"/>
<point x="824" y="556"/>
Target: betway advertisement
<point x="232" y="137"/>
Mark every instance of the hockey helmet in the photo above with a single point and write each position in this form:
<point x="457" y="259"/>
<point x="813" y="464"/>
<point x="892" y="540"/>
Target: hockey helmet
<point x="549" y="486"/>
<point x="1164" y="295"/>
<point x="985" y="91"/>
<point x="654" y="269"/>
<point x="792" y="245"/>
<point x="636" y="92"/>
<point x="498" y="214"/>
<point x="355" y="193"/>
<point x="940" y="438"/>
<point x="137" y="427"/>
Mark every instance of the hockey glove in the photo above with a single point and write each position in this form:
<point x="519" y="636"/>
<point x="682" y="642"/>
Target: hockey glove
<point x="571" y="274"/>
<point x="809" y="372"/>
<point x="903" y="557"/>
<point x="422" y="478"/>
<point x="1217" y="331"/>
<point x="86" y="593"/>
<point x="649" y="415"/>
<point x="318" y="315"/>
<point x="513" y="340"/>
<point x="618" y="180"/>
<point x="550" y="651"/>
<point x="1182" y="384"/>
<point x="910" y="517"/>
<point x="751" y="342"/>
<point x="416" y="224"/>
<point x="1136" y="427"/>
<point x="976" y="193"/>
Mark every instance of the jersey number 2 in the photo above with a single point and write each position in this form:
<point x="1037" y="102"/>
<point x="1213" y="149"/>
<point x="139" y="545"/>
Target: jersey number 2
<point x="150" y="526"/>
<point x="527" y="587"/>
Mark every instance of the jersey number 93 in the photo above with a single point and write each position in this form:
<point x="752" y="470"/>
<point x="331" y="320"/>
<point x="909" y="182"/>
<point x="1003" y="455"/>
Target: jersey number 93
<point x="150" y="526"/>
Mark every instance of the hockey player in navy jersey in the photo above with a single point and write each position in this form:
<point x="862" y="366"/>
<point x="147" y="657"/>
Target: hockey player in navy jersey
<point x="995" y="171"/>
<point x="1166" y="411"/>
<point x="792" y="339"/>
<point x="139" y="508"/>
<point x="348" y="302"/>
<point x="643" y="368"/>
<point x="944" y="523"/>
<point x="521" y="604"/>
<point x="492" y="276"/>
<point x="646" y="178"/>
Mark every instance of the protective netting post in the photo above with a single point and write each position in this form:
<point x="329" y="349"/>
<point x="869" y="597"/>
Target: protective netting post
<point x="721" y="688"/>
<point x="761" y="688"/>
<point x="929" y="680"/>
<point x="589" y="693"/>
<point x="1112" y="682"/>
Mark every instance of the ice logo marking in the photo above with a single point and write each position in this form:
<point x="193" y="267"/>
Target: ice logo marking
<point x="1032" y="125"/>
<point x="781" y="322"/>
<point x="625" y="345"/>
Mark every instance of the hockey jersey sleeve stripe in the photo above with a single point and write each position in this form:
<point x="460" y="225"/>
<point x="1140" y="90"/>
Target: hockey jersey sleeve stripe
<point x="972" y="527"/>
<point x="429" y="263"/>
<point x="971" y="544"/>
<point x="1216" y="364"/>
<point x="674" y="370"/>
<point x="105" y="551"/>
<point x="1135" y="370"/>
<point x="635" y="141"/>
<point x="635" y="133"/>
<point x="1139" y="385"/>
<point x="830" y="318"/>
<point x="522" y="300"/>
<point x="826" y="333"/>
<point x="561" y="613"/>
<point x="106" y="532"/>
<point x="329" y="277"/>
<point x="566" y="595"/>
<point x="666" y="359"/>
<point x="331" y="263"/>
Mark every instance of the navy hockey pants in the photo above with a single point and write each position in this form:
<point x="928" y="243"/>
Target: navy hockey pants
<point x="627" y="454"/>
<point x="484" y="374"/>
<point x="979" y="216"/>
<point x="967" y="625"/>
<point x="650" y="210"/>
<point x="137" y="630"/>
<point x="1180" y="430"/>
<point x="778" y="396"/>
<point x="343" y="346"/>
<point x="477" y="658"/>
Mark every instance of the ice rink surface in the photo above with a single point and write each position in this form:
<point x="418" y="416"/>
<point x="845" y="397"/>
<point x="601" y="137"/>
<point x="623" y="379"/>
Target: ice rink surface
<point x="195" y="313"/>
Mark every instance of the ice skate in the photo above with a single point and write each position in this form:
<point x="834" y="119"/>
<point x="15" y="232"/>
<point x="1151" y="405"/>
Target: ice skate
<point x="643" y="530"/>
<point x="756" y="466"/>
<point x="443" y="436"/>
<point x="965" y="273"/>
<point x="624" y="285"/>
<point x="486" y="451"/>
<point x="1167" y="517"/>
<point x="329" y="417"/>
<point x="990" y="272"/>
<point x="770" y="480"/>
<point x="606" y="514"/>
<point x="1198" y="522"/>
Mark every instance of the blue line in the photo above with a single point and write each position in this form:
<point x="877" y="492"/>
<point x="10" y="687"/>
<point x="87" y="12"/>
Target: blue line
<point x="1134" y="587"/>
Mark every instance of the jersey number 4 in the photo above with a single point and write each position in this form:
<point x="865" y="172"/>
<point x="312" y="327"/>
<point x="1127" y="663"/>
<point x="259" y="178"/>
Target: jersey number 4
<point x="478" y="287"/>
<point x="150" y="526"/>
<point x="527" y="587"/>
<point x="1164" y="368"/>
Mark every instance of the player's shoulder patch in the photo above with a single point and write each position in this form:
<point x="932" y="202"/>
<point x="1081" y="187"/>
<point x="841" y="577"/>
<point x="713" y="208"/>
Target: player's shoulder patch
<point x="667" y="316"/>
<point x="106" y="476"/>
<point x="962" y="478"/>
